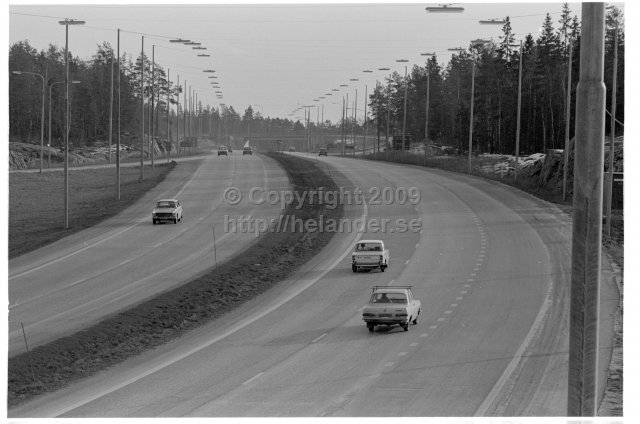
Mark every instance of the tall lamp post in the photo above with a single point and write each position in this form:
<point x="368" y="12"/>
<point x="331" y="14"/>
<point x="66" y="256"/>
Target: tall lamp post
<point x="66" y="24"/>
<point x="41" y="116"/>
<point x="388" y="111"/>
<point x="404" y="115"/>
<point x="474" y="43"/>
<point x="426" y="113"/>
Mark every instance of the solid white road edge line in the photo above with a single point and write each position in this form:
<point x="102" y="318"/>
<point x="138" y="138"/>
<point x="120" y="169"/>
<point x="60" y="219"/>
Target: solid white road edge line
<point x="497" y="388"/>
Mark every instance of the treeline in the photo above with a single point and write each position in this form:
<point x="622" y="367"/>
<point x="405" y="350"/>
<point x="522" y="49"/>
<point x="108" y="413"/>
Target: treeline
<point x="90" y="101"/>
<point x="544" y="85"/>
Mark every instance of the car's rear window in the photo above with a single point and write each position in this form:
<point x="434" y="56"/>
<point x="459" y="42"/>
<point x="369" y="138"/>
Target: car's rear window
<point x="369" y="247"/>
<point x="166" y="204"/>
<point x="388" y="298"/>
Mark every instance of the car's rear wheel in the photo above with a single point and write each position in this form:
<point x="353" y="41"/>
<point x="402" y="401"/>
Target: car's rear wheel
<point x="354" y="268"/>
<point x="370" y="327"/>
<point x="154" y="222"/>
<point x="175" y="220"/>
<point x="382" y="267"/>
<point x="415" y="321"/>
<point x="405" y="327"/>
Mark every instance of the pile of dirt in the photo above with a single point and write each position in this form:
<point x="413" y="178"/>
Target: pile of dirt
<point x="271" y="259"/>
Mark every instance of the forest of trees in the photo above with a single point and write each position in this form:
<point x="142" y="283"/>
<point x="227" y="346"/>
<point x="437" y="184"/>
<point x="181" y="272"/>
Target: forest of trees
<point x="544" y="80"/>
<point x="544" y="85"/>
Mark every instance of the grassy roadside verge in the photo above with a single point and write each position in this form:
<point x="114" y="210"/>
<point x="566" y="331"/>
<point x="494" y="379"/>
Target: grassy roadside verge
<point x="272" y="258"/>
<point x="36" y="214"/>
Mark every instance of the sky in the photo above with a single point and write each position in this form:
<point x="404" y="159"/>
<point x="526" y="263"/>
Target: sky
<point x="277" y="57"/>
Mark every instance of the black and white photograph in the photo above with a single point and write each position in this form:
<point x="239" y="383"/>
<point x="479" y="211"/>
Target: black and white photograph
<point x="317" y="210"/>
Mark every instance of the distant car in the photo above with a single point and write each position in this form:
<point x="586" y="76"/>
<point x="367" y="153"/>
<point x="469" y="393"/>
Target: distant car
<point x="370" y="254"/>
<point x="230" y="151"/>
<point x="247" y="151"/>
<point x="322" y="152"/>
<point x="292" y="149"/>
<point x="391" y="305"/>
<point x="222" y="151"/>
<point x="167" y="210"/>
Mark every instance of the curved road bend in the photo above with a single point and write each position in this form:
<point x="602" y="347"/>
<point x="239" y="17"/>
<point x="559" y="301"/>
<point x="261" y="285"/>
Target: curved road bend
<point x="74" y="282"/>
<point x="490" y="267"/>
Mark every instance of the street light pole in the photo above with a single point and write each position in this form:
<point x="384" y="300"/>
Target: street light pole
<point x="518" y="118"/>
<point x="608" y="189"/>
<point x="118" y="137"/>
<point x="582" y="394"/>
<point x="142" y="112"/>
<point x="66" y="24"/>
<point x="426" y="113"/>
<point x="567" y="124"/>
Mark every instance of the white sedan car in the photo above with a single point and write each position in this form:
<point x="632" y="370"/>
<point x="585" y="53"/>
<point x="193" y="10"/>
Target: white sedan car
<point x="167" y="210"/>
<point x="390" y="306"/>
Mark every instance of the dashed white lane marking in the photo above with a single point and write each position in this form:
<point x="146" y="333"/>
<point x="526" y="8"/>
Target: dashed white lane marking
<point x="433" y="327"/>
<point x="467" y="286"/>
<point x="407" y="263"/>
<point x="463" y="292"/>
<point x="402" y="353"/>
<point x="476" y="268"/>
<point x="391" y="282"/>
<point x="454" y="305"/>
<point x="473" y="274"/>
<point x="125" y="262"/>
<point x="389" y="364"/>
<point x="447" y="312"/>
<point x="424" y="335"/>
<point x="319" y="338"/>
<point x="459" y="298"/>
<point x="470" y="280"/>
<point x="440" y="319"/>
<point x="414" y="344"/>
<point x="255" y="377"/>
<point x="417" y="245"/>
<point x="158" y="244"/>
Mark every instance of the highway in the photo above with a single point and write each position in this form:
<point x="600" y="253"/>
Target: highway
<point x="70" y="284"/>
<point x="490" y="266"/>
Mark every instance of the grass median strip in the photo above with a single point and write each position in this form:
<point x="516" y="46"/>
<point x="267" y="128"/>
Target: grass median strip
<point x="273" y="257"/>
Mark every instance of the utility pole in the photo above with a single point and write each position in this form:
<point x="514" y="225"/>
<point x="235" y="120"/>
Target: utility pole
<point x="168" y="110"/>
<point x="178" y="118"/>
<point x="567" y="142"/>
<point x="587" y="216"/>
<point x="608" y="188"/>
<point x="364" y="125"/>
<point x="153" y="95"/>
<point x="142" y="112"/>
<point x="118" y="137"/>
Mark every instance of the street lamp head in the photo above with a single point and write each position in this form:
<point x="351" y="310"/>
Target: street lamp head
<point x="367" y="70"/>
<point x="179" y="40"/>
<point x="479" y="42"/>
<point x="457" y="49"/>
<point x="76" y="82"/>
<point x="493" y="21"/>
<point x="16" y="72"/>
<point x="428" y="54"/>
<point x="353" y="79"/>
<point x="67" y="22"/>
<point x="444" y="8"/>
<point x="402" y="60"/>
<point x="384" y="69"/>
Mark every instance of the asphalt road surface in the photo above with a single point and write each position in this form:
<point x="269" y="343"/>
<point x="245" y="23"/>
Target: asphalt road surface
<point x="72" y="283"/>
<point x="490" y="266"/>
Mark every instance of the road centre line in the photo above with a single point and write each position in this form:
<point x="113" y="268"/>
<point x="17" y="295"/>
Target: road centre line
<point x="255" y="377"/>
<point x="319" y="338"/>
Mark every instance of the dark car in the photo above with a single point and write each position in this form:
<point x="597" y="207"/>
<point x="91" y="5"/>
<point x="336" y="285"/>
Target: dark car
<point x="222" y="151"/>
<point x="230" y="151"/>
<point x="247" y="151"/>
<point x="322" y="152"/>
<point x="292" y="149"/>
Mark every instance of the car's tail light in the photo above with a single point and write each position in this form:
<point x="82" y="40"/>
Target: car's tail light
<point x="368" y="314"/>
<point x="401" y="314"/>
